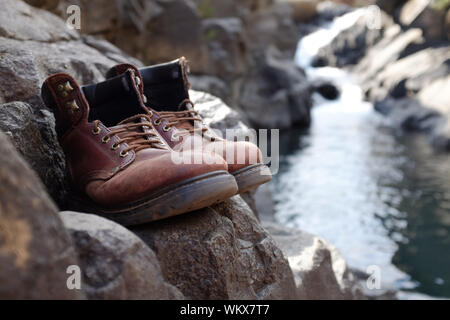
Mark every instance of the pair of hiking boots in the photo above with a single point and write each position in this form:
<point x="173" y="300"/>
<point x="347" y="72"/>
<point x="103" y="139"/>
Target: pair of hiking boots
<point x="132" y="145"/>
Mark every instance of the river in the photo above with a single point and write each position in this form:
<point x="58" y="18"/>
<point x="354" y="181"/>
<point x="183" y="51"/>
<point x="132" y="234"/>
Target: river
<point x="380" y="196"/>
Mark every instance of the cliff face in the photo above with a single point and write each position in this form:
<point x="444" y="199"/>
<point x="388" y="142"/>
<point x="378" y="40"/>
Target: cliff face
<point x="219" y="252"/>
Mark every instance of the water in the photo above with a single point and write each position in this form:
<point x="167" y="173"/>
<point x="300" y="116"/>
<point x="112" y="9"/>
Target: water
<point x="382" y="198"/>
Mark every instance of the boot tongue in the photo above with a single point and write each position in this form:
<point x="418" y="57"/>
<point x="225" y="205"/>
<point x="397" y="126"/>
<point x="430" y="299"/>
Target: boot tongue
<point x="115" y="99"/>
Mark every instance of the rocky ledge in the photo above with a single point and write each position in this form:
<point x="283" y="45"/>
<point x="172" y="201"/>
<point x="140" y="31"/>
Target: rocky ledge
<point x="221" y="252"/>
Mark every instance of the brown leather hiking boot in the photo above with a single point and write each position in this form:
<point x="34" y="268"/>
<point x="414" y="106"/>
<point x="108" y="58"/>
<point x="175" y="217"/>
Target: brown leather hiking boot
<point x="166" y="89"/>
<point x="118" y="164"/>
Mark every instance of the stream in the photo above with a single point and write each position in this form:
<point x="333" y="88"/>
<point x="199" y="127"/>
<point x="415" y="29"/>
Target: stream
<point x="380" y="196"/>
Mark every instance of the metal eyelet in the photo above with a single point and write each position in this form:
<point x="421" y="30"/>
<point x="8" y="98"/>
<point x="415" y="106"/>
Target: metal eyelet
<point x="123" y="154"/>
<point x="96" y="131"/>
<point x="105" y="139"/>
<point x="72" y="106"/>
<point x="157" y="122"/>
<point x="115" y="146"/>
<point x="60" y="87"/>
<point x="150" y="113"/>
<point x="174" y="138"/>
<point x="166" y="128"/>
<point x="68" y="87"/>
<point x="64" y="94"/>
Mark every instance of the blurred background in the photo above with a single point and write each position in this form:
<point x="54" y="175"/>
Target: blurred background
<point x="360" y="91"/>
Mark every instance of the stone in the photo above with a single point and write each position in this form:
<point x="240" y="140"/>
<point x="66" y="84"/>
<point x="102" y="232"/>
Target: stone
<point x="275" y="93"/>
<point x="35" y="248"/>
<point x="303" y="10"/>
<point x="421" y="14"/>
<point x="226" y="47"/>
<point x="385" y="52"/>
<point x="320" y="271"/>
<point x="272" y="25"/>
<point x="409" y="72"/>
<point x="220" y="252"/>
<point x="218" y="115"/>
<point x="351" y="44"/>
<point x="115" y="263"/>
<point x="34" y="137"/>
<point x="16" y="17"/>
<point x="326" y="89"/>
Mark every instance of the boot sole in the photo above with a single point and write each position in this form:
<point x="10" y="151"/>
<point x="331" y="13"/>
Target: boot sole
<point x="252" y="176"/>
<point x="189" y="195"/>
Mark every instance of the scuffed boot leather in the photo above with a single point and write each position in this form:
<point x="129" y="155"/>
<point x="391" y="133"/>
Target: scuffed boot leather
<point x="119" y="166"/>
<point x="166" y="89"/>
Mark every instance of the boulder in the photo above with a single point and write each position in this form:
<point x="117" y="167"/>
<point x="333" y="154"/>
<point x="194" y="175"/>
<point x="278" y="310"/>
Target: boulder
<point x="413" y="72"/>
<point x="35" y="248"/>
<point x="302" y="10"/>
<point x="34" y="137"/>
<point x="226" y="47"/>
<point x="421" y="14"/>
<point x="114" y="262"/>
<point x="326" y="89"/>
<point x="217" y="114"/>
<point x="320" y="272"/>
<point x="220" y="252"/>
<point x="386" y="51"/>
<point x="275" y="93"/>
<point x="352" y="43"/>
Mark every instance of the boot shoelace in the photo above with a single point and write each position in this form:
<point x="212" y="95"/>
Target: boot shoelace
<point x="135" y="139"/>
<point x="175" y="118"/>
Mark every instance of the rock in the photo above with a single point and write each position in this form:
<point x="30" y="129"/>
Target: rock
<point x="226" y="46"/>
<point x="421" y="14"/>
<point x="326" y="89"/>
<point x="218" y="115"/>
<point x="16" y="17"/>
<point x="115" y="263"/>
<point x="447" y="24"/>
<point x="34" y="137"/>
<point x="273" y="26"/>
<point x="213" y="85"/>
<point x="389" y="6"/>
<point x="385" y="52"/>
<point x="35" y="248"/>
<point x="276" y="93"/>
<point x="409" y="72"/>
<point x="320" y="271"/>
<point x="220" y="252"/>
<point x="177" y="31"/>
<point x="351" y="44"/>
<point x="302" y="10"/>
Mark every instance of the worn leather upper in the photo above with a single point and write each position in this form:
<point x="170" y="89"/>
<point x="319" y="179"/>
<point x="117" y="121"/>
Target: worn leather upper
<point x="109" y="173"/>
<point x="166" y="88"/>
